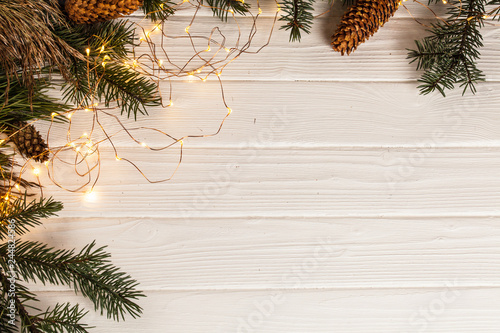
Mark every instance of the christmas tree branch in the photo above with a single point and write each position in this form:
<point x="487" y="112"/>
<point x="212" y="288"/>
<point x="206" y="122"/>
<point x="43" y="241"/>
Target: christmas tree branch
<point x="298" y="15"/>
<point x="26" y="214"/>
<point x="449" y="55"/>
<point x="158" y="10"/>
<point x="222" y="8"/>
<point x="88" y="271"/>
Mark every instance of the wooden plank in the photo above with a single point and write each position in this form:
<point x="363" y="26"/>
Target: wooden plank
<point x="382" y="58"/>
<point x="290" y="253"/>
<point x="308" y="114"/>
<point x="292" y="182"/>
<point x="444" y="310"/>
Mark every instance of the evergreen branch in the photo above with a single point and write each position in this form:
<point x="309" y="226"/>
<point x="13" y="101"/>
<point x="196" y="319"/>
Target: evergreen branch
<point x="109" y="80"/>
<point x="449" y="55"/>
<point x="63" y="318"/>
<point x="88" y="271"/>
<point x="299" y="16"/>
<point x="18" y="104"/>
<point x="158" y="10"/>
<point x="26" y="214"/>
<point x="222" y="8"/>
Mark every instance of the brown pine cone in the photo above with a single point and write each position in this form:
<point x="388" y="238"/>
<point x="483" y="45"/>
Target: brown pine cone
<point x="91" y="11"/>
<point x="30" y="143"/>
<point x="360" y="22"/>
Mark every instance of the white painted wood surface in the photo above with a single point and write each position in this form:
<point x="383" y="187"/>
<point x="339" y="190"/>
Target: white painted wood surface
<point x="336" y="198"/>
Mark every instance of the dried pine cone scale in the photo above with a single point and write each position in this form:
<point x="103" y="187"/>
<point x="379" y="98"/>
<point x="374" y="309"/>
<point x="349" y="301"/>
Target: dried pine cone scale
<point x="91" y="11"/>
<point x="29" y="142"/>
<point x="360" y="22"/>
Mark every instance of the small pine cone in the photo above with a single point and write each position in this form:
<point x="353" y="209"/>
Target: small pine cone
<point x="91" y="11"/>
<point x="360" y="22"/>
<point x="30" y="143"/>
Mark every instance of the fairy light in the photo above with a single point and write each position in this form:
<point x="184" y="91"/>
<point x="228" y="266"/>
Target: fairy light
<point x="90" y="196"/>
<point x="84" y="147"/>
<point x="53" y="114"/>
<point x="279" y="8"/>
<point x="36" y="171"/>
<point x="17" y="187"/>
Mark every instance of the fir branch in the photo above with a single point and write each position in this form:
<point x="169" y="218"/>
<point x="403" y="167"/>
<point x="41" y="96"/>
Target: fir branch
<point x="17" y="104"/>
<point x="88" y="271"/>
<point x="26" y="214"/>
<point x="109" y="44"/>
<point x="299" y="16"/>
<point x="449" y="55"/>
<point x="222" y="8"/>
<point x="158" y="10"/>
<point x="63" y="318"/>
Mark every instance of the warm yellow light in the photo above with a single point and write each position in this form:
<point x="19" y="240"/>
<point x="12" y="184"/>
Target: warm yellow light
<point x="144" y="144"/>
<point x="160" y="62"/>
<point x="485" y="16"/>
<point x="77" y="149"/>
<point x="208" y="49"/>
<point x="171" y="103"/>
<point x="69" y="115"/>
<point x="53" y="114"/>
<point x="88" y="52"/>
<point x="118" y="158"/>
<point x="85" y="135"/>
<point x="2" y="141"/>
<point x="204" y="79"/>
<point x="231" y="11"/>
<point x="181" y="142"/>
<point x="102" y="48"/>
<point x="103" y="64"/>
<point x="279" y="7"/>
<point x="17" y="187"/>
<point x="187" y="29"/>
<point x="226" y="49"/>
<point x="260" y="10"/>
<point x="90" y="196"/>
<point x="218" y="74"/>
<point x="72" y="144"/>
<point x="46" y="163"/>
<point x="87" y="110"/>
<point x="36" y="171"/>
<point x="445" y="2"/>
<point x="229" y="111"/>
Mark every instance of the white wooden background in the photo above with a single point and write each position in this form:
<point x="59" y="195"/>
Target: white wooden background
<point x="336" y="198"/>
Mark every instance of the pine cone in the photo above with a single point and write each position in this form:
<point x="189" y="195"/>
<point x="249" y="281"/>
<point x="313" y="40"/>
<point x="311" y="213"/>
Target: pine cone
<point x="91" y="11"/>
<point x="30" y="143"/>
<point x="360" y="22"/>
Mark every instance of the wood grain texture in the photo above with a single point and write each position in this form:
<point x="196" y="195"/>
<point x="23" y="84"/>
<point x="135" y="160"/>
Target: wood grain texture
<point x="441" y="310"/>
<point x="293" y="182"/>
<point x="291" y="253"/>
<point x="322" y="155"/>
<point x="310" y="114"/>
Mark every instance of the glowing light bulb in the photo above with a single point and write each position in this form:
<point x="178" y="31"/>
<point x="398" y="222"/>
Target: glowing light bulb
<point x="171" y="103"/>
<point x="69" y="115"/>
<point x="260" y="10"/>
<point x="160" y="62"/>
<point x="2" y="141"/>
<point x="46" y="163"/>
<point x="218" y="74"/>
<point x="118" y="158"/>
<point x="90" y="196"/>
<point x="181" y="142"/>
<point x="204" y="79"/>
<point x="231" y="11"/>
<point x="53" y="114"/>
<point x="208" y="49"/>
<point x="144" y="144"/>
<point x="85" y="135"/>
<point x="279" y="8"/>
<point x="17" y="187"/>
<point x="226" y="49"/>
<point x="88" y="52"/>
<point x="36" y="171"/>
<point x="229" y="111"/>
<point x="102" y="48"/>
<point x="187" y="29"/>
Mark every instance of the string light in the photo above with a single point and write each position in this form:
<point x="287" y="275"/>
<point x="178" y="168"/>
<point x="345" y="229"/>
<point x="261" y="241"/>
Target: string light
<point x="36" y="171"/>
<point x="187" y="29"/>
<point x="171" y="103"/>
<point x="88" y="52"/>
